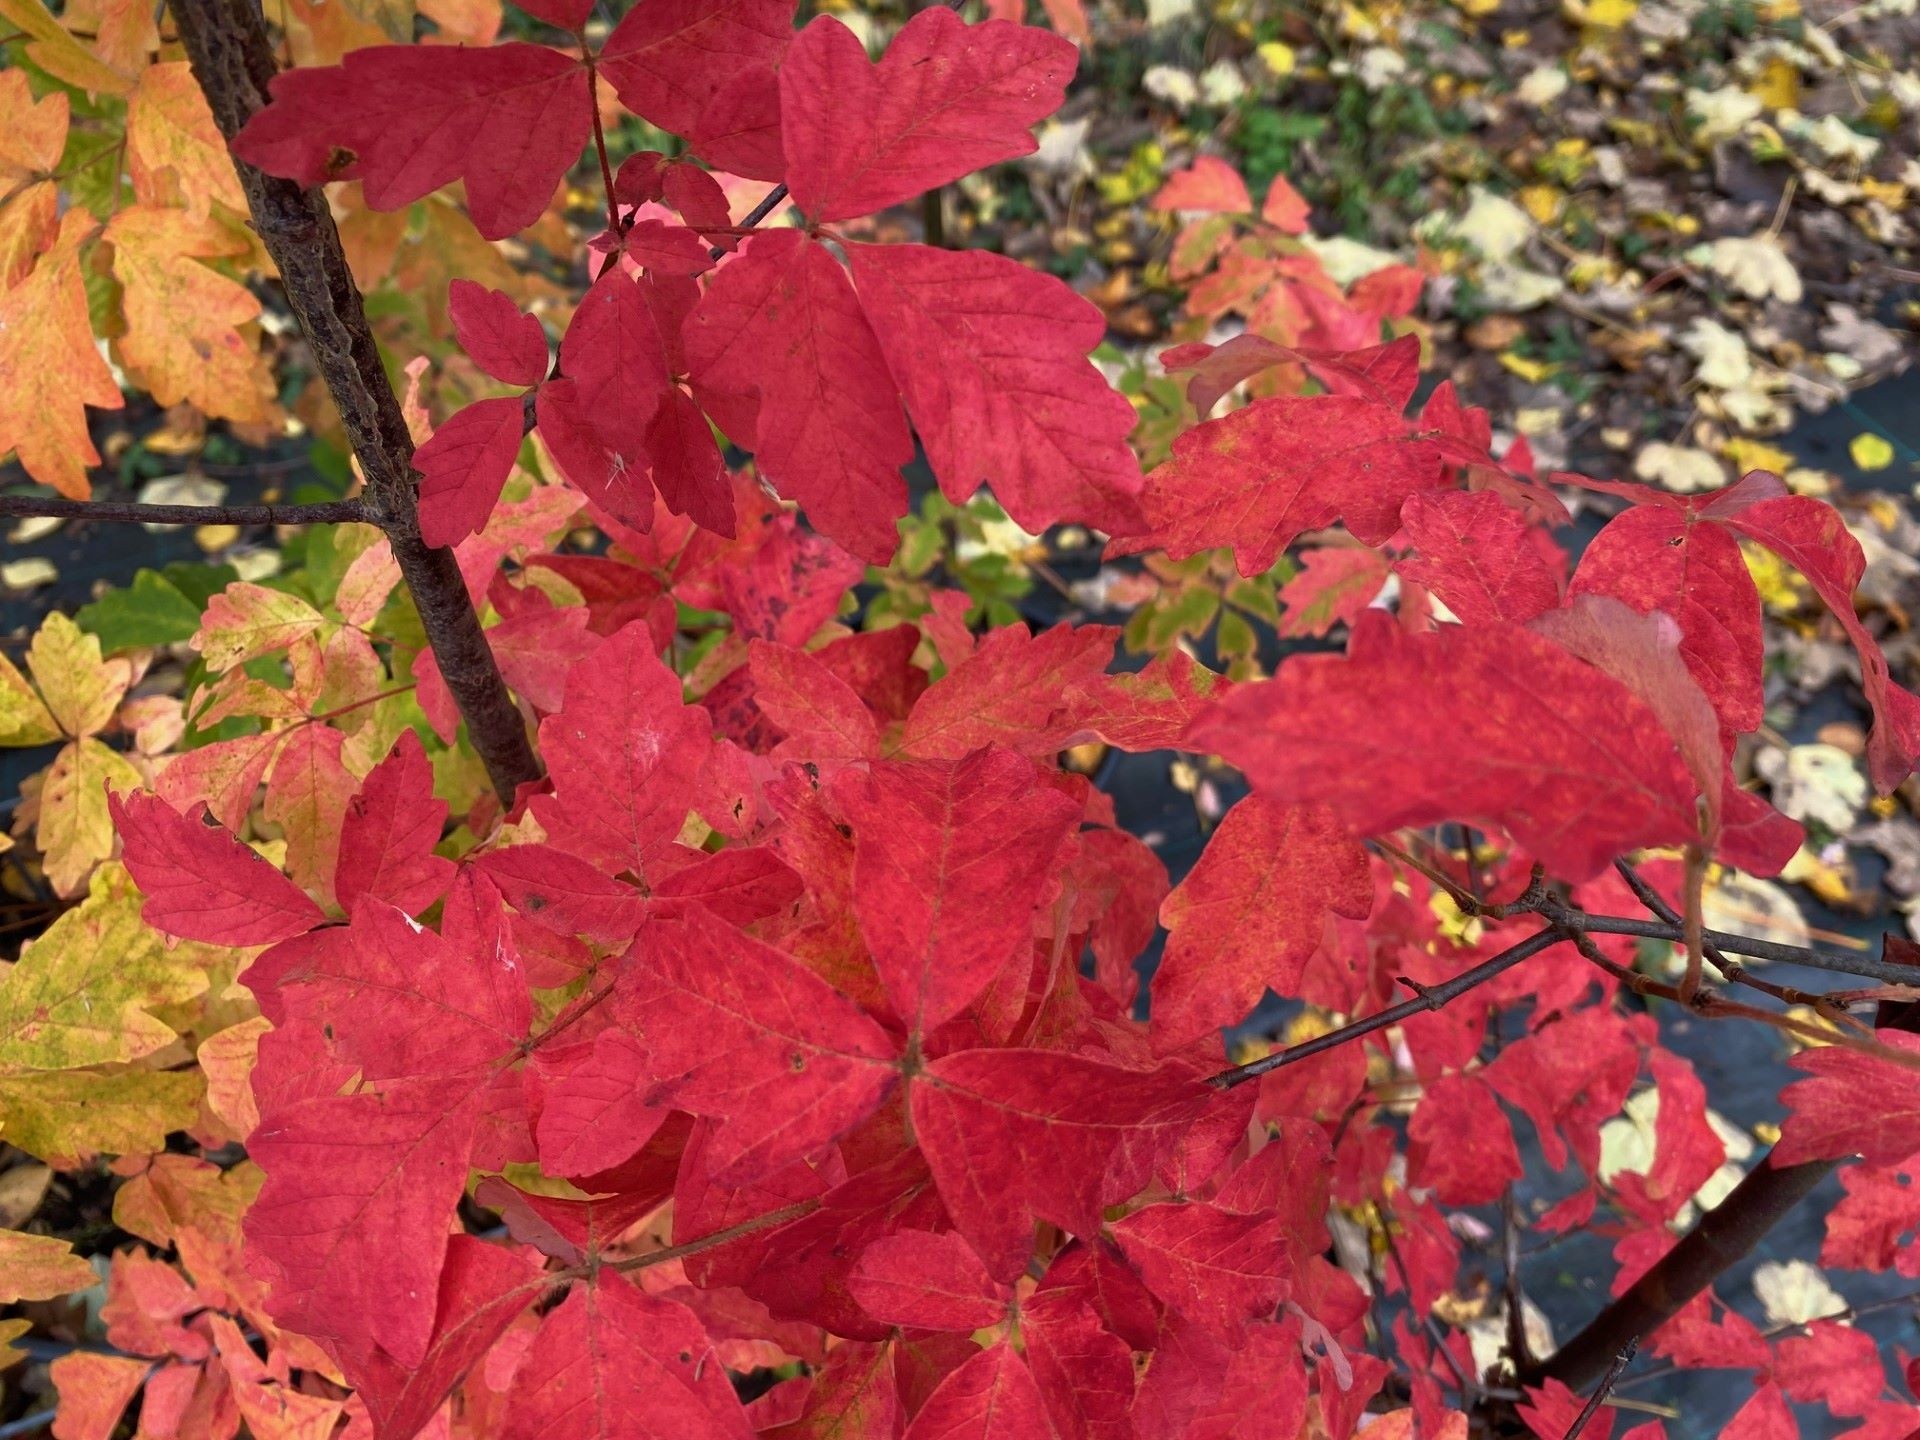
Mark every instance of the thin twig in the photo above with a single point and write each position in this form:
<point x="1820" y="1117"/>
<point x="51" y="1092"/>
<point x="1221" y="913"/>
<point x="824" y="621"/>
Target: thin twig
<point x="1710" y="1004"/>
<point x="1911" y="1299"/>
<point x="1464" y="1383"/>
<point x="326" y="512"/>
<point x="1607" y="1382"/>
<point x="768" y="204"/>
<point x="1518" y="1351"/>
<point x="1734" y="972"/>
<point x="1429" y="997"/>
<point x="1468" y="902"/>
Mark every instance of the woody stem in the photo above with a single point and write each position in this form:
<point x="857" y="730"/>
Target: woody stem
<point x="15" y="507"/>
<point x="232" y="59"/>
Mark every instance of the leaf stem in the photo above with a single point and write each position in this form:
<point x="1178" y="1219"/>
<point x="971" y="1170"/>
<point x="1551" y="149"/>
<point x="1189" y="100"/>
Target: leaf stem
<point x="600" y="144"/>
<point x="718" y="1238"/>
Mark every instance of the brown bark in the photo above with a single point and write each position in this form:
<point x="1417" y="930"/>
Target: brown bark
<point x="232" y="58"/>
<point x="1724" y="1236"/>
<point x="326" y="512"/>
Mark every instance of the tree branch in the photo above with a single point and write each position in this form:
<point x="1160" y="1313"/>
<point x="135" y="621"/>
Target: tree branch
<point x="1723" y="1237"/>
<point x="1672" y="928"/>
<point x="1734" y="972"/>
<point x="1885" y="972"/>
<point x="328" y="512"/>
<point x="232" y="59"/>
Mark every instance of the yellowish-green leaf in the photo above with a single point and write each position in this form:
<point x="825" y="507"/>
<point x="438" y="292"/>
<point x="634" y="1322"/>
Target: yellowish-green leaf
<point x="67" y="1114"/>
<point x="1870" y="451"/>
<point x="24" y="717"/>
<point x="75" y="831"/>
<point x="80" y="687"/>
<point x="39" y="1267"/>
<point x="81" y="994"/>
<point x="245" y="621"/>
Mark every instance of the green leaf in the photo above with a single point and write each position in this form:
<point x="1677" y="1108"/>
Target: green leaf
<point x="151" y="611"/>
<point x="199" y="583"/>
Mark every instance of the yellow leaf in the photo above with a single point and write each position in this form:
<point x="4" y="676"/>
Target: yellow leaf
<point x="170" y="128"/>
<point x="1870" y="451"/>
<point x="67" y="1114"/>
<point x="39" y="1267"/>
<point x="1777" y="86"/>
<point x="1756" y="455"/>
<point x="58" y="53"/>
<point x="244" y="621"/>
<point x="11" y="1330"/>
<point x="49" y="369"/>
<point x="24" y="719"/>
<point x="1781" y="589"/>
<point x="475" y="22"/>
<point x="81" y="993"/>
<point x="81" y="688"/>
<point x="1532" y="371"/>
<point x="1890" y="193"/>
<point x="1542" y="202"/>
<point x="1277" y="57"/>
<point x="1609" y="14"/>
<point x="75" y="832"/>
<point x="182" y="317"/>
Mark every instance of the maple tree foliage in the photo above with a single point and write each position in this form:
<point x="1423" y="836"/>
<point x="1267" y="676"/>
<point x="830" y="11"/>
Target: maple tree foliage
<point x="788" y="1027"/>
